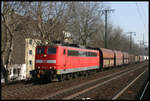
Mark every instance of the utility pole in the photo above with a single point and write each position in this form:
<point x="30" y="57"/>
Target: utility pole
<point x="143" y="45"/>
<point x="140" y="46"/>
<point x="143" y="39"/>
<point x="143" y="48"/>
<point x="131" y="33"/>
<point x="106" y="11"/>
<point x="140" y="43"/>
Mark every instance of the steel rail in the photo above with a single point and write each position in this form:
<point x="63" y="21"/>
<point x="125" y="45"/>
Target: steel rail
<point x="98" y="85"/>
<point x="144" y="91"/>
<point x="84" y="84"/>
<point x="125" y="88"/>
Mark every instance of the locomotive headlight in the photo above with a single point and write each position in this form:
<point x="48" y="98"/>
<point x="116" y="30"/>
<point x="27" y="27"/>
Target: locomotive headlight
<point x="45" y="55"/>
<point x="38" y="67"/>
<point x="52" y="67"/>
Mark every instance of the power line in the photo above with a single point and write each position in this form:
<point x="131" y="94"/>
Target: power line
<point x="140" y="16"/>
<point x="142" y="9"/>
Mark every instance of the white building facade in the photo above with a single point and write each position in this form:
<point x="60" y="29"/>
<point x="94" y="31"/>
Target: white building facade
<point x="22" y="71"/>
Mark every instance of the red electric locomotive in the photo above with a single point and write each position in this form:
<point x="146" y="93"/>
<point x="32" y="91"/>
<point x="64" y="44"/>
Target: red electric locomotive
<point x="58" y="61"/>
<point x="61" y="62"/>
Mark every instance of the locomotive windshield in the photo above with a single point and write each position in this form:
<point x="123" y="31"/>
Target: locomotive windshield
<point x="51" y="51"/>
<point x="40" y="50"/>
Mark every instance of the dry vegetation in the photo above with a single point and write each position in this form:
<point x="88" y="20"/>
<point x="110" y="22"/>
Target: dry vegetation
<point x="84" y="20"/>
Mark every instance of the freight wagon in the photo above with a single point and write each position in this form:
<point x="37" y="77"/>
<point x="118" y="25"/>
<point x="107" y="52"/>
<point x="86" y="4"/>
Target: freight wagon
<point x="125" y="58"/>
<point x="107" y="58"/>
<point x="131" y="58"/>
<point x="118" y="58"/>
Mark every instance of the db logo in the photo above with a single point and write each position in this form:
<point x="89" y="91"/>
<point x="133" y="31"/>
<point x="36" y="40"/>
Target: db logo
<point x="44" y="61"/>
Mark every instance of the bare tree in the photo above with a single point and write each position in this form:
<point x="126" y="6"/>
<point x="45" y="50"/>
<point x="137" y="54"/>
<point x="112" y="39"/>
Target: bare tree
<point x="9" y="23"/>
<point x="46" y="20"/>
<point x="97" y="39"/>
<point x="114" y="38"/>
<point x="50" y="19"/>
<point x="84" y="20"/>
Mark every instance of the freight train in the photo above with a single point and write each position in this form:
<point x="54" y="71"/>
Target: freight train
<point x="62" y="62"/>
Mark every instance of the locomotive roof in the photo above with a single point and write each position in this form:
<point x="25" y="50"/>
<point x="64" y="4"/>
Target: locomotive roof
<point x="70" y="45"/>
<point x="83" y="47"/>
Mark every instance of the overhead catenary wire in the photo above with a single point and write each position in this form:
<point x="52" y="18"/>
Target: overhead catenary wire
<point x="138" y="9"/>
<point x="143" y="10"/>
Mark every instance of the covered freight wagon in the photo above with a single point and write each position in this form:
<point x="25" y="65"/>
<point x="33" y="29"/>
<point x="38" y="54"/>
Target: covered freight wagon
<point x="145" y="58"/>
<point x="118" y="60"/>
<point x="137" y="59"/>
<point x="125" y="58"/>
<point x="131" y="58"/>
<point x="107" y="58"/>
<point x="141" y="58"/>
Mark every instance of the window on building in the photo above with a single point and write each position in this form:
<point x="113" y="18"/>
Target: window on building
<point x="14" y="71"/>
<point x="30" y="41"/>
<point x="30" y="62"/>
<point x="30" y="52"/>
<point x="18" y="71"/>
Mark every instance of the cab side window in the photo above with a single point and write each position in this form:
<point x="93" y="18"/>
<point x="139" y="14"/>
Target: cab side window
<point x="64" y="51"/>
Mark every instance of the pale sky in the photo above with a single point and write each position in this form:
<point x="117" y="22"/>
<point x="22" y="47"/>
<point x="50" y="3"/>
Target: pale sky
<point x="131" y="17"/>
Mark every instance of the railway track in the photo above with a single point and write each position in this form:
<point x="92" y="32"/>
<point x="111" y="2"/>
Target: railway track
<point x="105" y="89"/>
<point x="144" y="92"/>
<point x="30" y="91"/>
<point x="124" y="89"/>
<point x="73" y="92"/>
